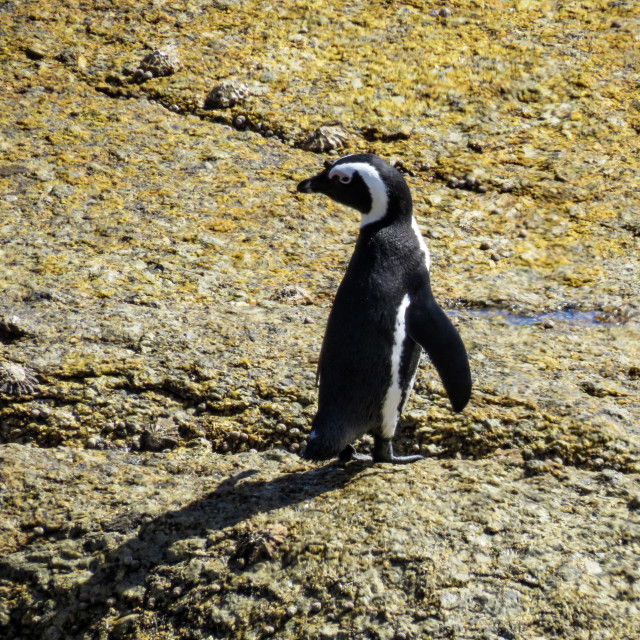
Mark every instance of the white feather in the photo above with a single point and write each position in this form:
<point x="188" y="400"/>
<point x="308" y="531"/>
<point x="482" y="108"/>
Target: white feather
<point x="421" y="243"/>
<point x="393" y="398"/>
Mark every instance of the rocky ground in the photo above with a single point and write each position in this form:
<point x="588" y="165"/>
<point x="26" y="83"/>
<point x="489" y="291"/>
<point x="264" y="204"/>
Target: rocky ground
<point x="164" y="293"/>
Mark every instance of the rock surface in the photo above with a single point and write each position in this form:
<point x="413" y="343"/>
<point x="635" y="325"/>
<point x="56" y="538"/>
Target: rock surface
<point x="164" y="293"/>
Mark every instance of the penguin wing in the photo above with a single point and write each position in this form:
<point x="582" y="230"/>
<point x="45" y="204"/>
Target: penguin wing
<point x="430" y="327"/>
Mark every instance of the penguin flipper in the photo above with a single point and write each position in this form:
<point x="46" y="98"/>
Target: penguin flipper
<point x="430" y="327"/>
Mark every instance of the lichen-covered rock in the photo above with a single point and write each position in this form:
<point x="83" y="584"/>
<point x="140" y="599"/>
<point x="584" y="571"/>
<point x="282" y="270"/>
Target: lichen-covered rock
<point x="187" y="541"/>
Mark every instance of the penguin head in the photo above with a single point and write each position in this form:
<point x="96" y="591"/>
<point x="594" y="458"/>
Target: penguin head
<point x="367" y="183"/>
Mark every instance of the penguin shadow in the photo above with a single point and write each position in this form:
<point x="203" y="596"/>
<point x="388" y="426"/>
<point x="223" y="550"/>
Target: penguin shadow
<point x="81" y="609"/>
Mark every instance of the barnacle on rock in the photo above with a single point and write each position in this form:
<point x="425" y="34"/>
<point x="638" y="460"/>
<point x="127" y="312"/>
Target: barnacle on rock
<point x="325" y="138"/>
<point x="259" y="545"/>
<point x="158" y="64"/>
<point x="16" y="380"/>
<point x="226" y="94"/>
<point x="293" y="294"/>
<point x="162" y="435"/>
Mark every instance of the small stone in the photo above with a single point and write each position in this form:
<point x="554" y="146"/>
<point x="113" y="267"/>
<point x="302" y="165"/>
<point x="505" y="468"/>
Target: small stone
<point x="471" y="182"/>
<point x="38" y="531"/>
<point x="291" y="611"/>
<point x="445" y="12"/>
<point x="240" y="122"/>
<point x="94" y="442"/>
<point x="453" y="182"/>
<point x="523" y="233"/>
<point x="547" y="323"/>
<point x="269" y="630"/>
<point x="506" y="187"/>
<point x="495" y="257"/>
<point x="36" y="51"/>
<point x="316" y="606"/>
<point x="485" y="246"/>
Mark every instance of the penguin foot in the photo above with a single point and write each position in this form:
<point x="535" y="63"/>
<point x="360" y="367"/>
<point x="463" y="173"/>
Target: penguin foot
<point x="350" y="453"/>
<point x="383" y="452"/>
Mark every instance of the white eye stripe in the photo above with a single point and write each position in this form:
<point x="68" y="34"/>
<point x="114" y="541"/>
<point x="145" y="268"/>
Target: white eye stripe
<point x="345" y="176"/>
<point x="375" y="184"/>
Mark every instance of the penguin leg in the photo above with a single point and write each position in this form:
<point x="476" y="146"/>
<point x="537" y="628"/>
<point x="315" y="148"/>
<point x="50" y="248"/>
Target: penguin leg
<point x="383" y="452"/>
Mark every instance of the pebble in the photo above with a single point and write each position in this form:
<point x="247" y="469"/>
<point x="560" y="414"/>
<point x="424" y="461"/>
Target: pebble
<point x="468" y="183"/>
<point x="316" y="606"/>
<point x="36" y="51"/>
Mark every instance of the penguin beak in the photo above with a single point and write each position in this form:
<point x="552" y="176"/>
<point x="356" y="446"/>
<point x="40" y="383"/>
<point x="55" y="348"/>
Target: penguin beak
<point x="316" y="184"/>
<point x="306" y="186"/>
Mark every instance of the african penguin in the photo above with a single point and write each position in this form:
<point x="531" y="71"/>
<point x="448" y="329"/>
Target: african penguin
<point x="382" y="317"/>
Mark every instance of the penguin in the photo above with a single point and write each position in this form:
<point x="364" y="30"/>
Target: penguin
<point x="383" y="316"/>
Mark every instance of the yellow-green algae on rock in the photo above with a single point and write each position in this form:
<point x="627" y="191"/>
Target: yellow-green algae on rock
<point x="164" y="286"/>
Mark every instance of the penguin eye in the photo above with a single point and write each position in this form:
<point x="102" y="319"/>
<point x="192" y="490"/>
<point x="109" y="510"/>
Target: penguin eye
<point x="344" y="176"/>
